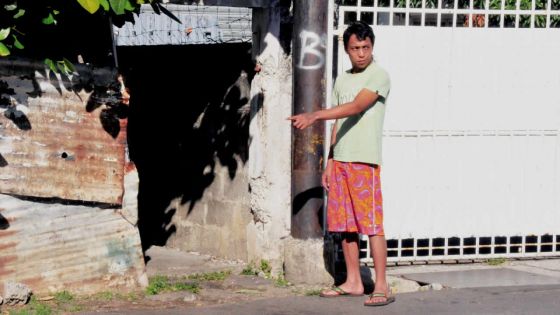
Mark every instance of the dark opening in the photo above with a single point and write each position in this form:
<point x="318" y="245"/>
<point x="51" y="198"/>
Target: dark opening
<point x="485" y="245"/>
<point x="407" y="247"/>
<point x="453" y="246"/>
<point x="188" y="111"/>
<point x="438" y="242"/>
<point x="469" y="246"/>
<point x="500" y="245"/>
<point x="531" y="243"/>
<point x="546" y="243"/>
<point x="515" y="244"/>
<point x="392" y="248"/>
<point x="423" y="247"/>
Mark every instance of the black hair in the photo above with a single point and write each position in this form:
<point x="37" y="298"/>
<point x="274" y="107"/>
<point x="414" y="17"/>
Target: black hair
<point x="362" y="31"/>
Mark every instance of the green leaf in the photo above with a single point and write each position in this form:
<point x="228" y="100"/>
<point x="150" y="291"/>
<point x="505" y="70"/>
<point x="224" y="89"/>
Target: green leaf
<point x="20" y="13"/>
<point x="4" y="33"/>
<point x="90" y="5"/>
<point x="4" y="51"/>
<point x="62" y="67"/>
<point x="10" y="7"/>
<point x="128" y="6"/>
<point x="118" y="6"/>
<point x="69" y="65"/>
<point x="104" y="4"/>
<point x="51" y="64"/>
<point x="17" y="43"/>
<point x="49" y="20"/>
<point x="56" y="12"/>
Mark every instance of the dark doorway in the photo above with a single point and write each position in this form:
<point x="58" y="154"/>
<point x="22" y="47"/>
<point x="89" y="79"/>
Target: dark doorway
<point x="189" y="109"/>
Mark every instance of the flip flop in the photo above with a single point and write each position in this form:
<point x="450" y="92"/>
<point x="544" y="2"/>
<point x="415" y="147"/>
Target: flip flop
<point x="338" y="292"/>
<point x="388" y="299"/>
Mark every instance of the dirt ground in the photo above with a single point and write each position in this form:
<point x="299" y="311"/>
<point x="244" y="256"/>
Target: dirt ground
<point x="177" y="280"/>
<point x="234" y="288"/>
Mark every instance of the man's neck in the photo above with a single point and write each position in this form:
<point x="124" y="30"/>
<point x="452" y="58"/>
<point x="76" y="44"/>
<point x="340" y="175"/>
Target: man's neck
<point x="357" y="70"/>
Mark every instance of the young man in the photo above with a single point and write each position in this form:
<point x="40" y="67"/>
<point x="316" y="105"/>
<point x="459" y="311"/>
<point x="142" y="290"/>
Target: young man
<point x="352" y="175"/>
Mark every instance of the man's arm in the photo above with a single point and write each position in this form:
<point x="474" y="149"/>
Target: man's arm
<point x="360" y="103"/>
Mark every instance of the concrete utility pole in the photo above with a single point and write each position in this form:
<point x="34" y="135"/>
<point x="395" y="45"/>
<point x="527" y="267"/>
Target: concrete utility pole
<point x="309" y="61"/>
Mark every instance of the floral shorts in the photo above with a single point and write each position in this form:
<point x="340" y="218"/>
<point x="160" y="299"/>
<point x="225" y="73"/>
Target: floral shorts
<point x="355" y="203"/>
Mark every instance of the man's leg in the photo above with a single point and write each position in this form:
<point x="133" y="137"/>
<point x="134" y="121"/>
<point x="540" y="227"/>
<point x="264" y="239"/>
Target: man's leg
<point x="378" y="246"/>
<point x="351" y="252"/>
<point x="353" y="283"/>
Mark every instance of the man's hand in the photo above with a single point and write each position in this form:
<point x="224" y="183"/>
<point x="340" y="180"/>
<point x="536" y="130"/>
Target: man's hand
<point x="326" y="178"/>
<point x="304" y="120"/>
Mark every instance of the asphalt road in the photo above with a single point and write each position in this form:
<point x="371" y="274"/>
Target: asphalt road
<point x="534" y="300"/>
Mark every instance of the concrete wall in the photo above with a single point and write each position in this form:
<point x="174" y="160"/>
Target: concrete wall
<point x="217" y="223"/>
<point x="270" y="147"/>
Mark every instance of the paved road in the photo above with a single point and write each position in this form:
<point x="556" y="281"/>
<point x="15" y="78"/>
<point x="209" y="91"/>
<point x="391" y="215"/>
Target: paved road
<point x="534" y="300"/>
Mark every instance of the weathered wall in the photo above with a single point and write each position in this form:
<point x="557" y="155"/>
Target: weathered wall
<point x="59" y="142"/>
<point x="217" y="223"/>
<point x="270" y="132"/>
<point x="54" y="246"/>
<point x="194" y="192"/>
<point x="55" y="138"/>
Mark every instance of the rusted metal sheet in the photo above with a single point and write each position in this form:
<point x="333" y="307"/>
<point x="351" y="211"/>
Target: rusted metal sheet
<point x="51" y="145"/>
<point x="52" y="247"/>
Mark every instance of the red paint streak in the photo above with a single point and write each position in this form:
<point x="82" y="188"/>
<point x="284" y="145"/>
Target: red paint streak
<point x="5" y="260"/>
<point x="7" y="245"/>
<point x="7" y="233"/>
<point x="130" y="167"/>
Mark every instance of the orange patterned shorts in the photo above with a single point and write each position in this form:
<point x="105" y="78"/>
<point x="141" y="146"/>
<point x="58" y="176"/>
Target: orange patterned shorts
<point x="355" y="203"/>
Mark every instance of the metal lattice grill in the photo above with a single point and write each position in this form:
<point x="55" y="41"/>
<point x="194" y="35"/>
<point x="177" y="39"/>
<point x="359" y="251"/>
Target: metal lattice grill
<point x="453" y="13"/>
<point x="461" y="248"/>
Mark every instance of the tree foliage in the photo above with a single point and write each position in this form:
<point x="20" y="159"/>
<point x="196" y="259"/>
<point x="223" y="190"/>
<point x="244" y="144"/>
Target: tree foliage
<point x="19" y="18"/>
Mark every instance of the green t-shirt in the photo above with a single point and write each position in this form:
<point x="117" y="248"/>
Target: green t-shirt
<point x="358" y="137"/>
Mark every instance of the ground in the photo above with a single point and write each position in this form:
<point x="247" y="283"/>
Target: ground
<point x="177" y="280"/>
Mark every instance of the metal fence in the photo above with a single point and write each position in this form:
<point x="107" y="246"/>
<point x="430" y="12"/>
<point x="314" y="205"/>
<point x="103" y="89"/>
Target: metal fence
<point x="453" y="13"/>
<point x="471" y="139"/>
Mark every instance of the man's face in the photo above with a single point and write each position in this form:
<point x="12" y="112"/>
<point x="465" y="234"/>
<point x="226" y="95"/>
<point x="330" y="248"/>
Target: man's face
<point x="360" y="52"/>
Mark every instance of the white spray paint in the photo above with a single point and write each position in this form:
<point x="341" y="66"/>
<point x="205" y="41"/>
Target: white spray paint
<point x="311" y="44"/>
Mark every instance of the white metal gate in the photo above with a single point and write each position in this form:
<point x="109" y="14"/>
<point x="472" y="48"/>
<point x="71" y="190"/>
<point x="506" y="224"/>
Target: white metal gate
<point x="471" y="143"/>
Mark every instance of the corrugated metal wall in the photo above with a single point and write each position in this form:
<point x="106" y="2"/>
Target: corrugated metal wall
<point x="62" y="172"/>
<point x="53" y="146"/>
<point x="199" y="25"/>
<point x="53" y="247"/>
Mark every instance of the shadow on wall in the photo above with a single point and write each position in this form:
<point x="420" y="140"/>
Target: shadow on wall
<point x="189" y="109"/>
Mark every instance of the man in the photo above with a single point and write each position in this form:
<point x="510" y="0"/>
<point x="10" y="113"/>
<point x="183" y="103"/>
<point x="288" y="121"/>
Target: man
<point x="352" y="175"/>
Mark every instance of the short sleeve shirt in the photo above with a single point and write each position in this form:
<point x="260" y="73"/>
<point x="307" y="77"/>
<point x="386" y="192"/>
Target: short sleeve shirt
<point x="359" y="137"/>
